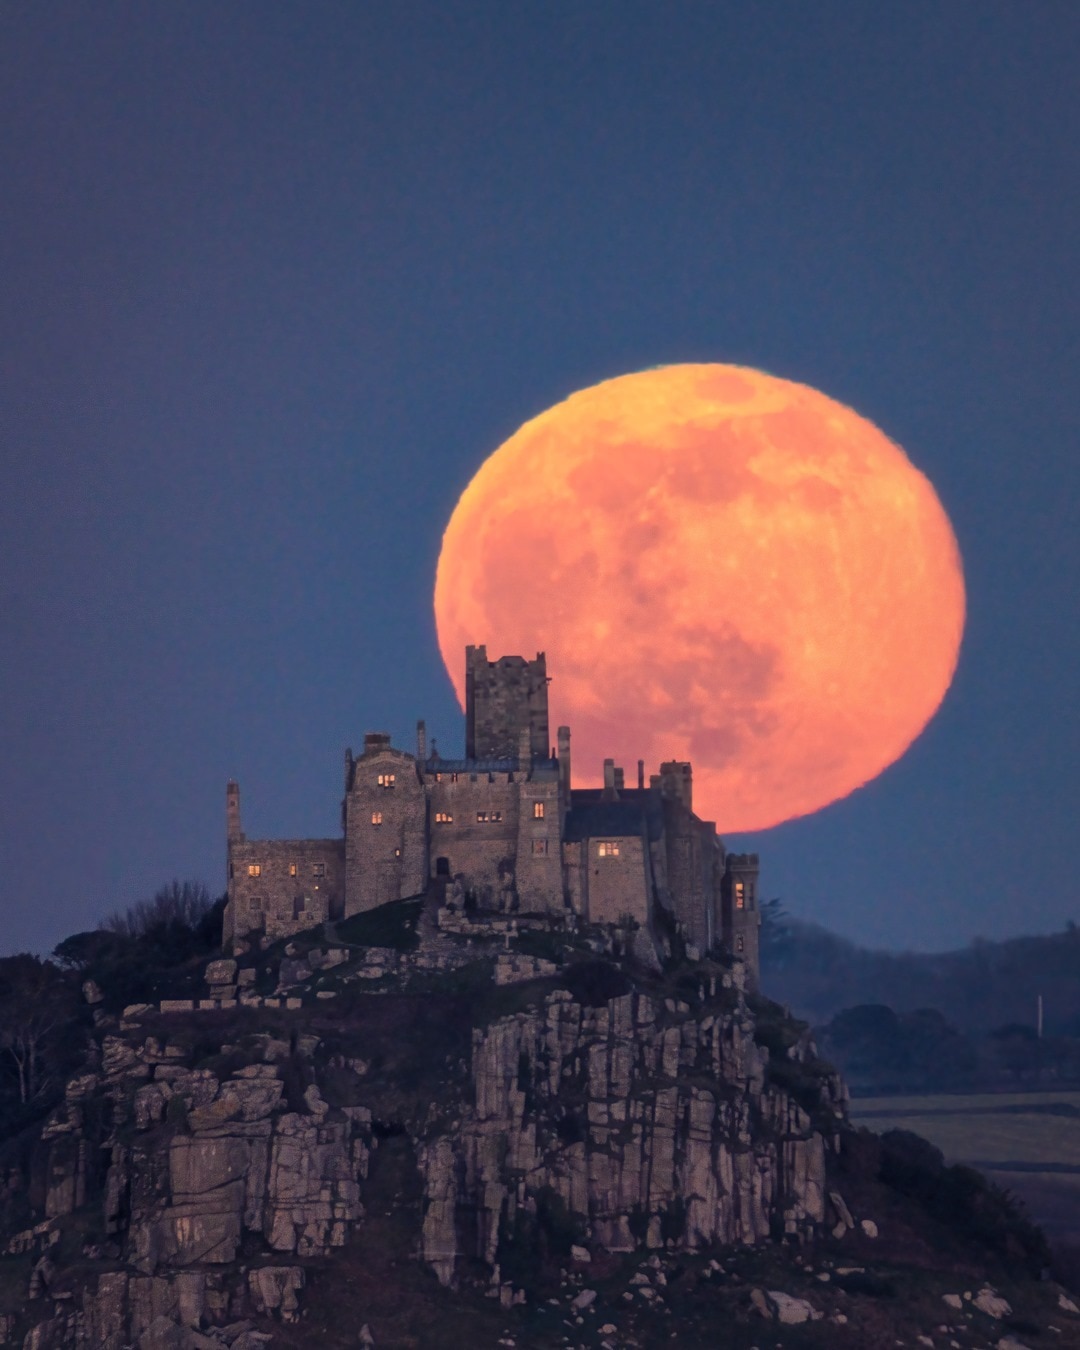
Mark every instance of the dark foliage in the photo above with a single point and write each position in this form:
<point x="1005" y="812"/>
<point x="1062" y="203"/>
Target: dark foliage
<point x="391" y="925"/>
<point x="879" y="1050"/>
<point x="976" y="988"/>
<point x="595" y="983"/>
<point x="157" y="950"/>
<point x="962" y="1199"/>
<point x="41" y="1037"/>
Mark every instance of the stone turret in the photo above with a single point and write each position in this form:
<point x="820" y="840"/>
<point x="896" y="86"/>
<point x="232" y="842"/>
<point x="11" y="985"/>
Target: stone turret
<point x="502" y="698"/>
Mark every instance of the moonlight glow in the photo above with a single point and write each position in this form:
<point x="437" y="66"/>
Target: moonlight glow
<point x="723" y="567"/>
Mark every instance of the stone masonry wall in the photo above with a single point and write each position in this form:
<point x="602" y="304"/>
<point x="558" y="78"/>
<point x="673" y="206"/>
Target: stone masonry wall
<point x="474" y="843"/>
<point x="539" y="847"/>
<point x="616" y="887"/>
<point x="298" y="883"/>
<point x="502" y="699"/>
<point x="386" y="856"/>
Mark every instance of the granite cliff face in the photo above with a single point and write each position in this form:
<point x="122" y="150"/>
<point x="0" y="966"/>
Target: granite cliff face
<point x="479" y="1134"/>
<point x="649" y="1120"/>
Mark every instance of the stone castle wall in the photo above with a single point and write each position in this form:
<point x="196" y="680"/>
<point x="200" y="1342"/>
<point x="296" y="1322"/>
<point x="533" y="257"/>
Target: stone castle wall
<point x="277" y="886"/>
<point x="386" y="855"/>
<point x="502" y="698"/>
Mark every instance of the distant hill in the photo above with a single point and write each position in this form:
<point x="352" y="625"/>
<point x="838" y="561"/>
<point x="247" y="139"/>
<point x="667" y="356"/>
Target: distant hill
<point x="978" y="988"/>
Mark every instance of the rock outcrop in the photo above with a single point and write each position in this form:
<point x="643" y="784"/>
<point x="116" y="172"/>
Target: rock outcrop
<point x="651" y="1123"/>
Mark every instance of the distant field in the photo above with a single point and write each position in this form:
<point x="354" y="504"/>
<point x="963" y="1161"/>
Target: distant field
<point x="1028" y="1142"/>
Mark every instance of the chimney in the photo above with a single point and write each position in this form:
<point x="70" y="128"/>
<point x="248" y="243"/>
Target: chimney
<point x="609" y="780"/>
<point x="620" y="780"/>
<point x="564" y="759"/>
<point x="233" y="833"/>
<point x="421" y="741"/>
<point x="641" y="775"/>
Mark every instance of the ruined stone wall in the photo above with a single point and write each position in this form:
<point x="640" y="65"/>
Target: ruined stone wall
<point x="480" y="837"/>
<point x="386" y="855"/>
<point x="539" y="847"/>
<point x="502" y="699"/>
<point x="281" y="886"/>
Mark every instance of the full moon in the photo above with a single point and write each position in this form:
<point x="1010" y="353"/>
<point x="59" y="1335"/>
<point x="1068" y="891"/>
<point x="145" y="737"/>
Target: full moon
<point x="722" y="567"/>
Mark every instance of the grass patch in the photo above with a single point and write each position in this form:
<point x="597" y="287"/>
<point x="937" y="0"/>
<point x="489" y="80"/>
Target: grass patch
<point x="391" y="925"/>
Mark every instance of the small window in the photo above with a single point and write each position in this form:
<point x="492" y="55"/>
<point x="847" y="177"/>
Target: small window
<point x="292" y="869"/>
<point x="608" y="849"/>
<point x="438" y="778"/>
<point x="496" y="815"/>
<point x="538" y="810"/>
<point x="443" y="818"/>
<point x="740" y="895"/>
<point x="540" y="846"/>
<point x="738" y="942"/>
<point x="232" y="871"/>
<point x="254" y="870"/>
<point x="376" y="817"/>
<point x="386" y="780"/>
<point x="453" y="778"/>
<point x="318" y="869"/>
<point x="482" y="817"/>
<point x="397" y="853"/>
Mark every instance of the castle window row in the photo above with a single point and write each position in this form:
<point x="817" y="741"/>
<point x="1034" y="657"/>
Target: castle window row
<point x="376" y="817"/>
<point x="255" y="869"/>
<point x="538" y="810"/>
<point x="443" y="818"/>
<point x="387" y="780"/>
<point x="488" y="817"/>
<point x="607" y="848"/>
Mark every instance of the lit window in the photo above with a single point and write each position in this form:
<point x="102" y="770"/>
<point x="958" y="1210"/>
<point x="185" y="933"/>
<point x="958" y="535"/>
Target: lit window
<point x="482" y="817"/>
<point x="538" y="810"/>
<point x="540" y="846"/>
<point x="438" y="778"/>
<point x="608" y="850"/>
<point x="376" y="817"/>
<point x="318" y="869"/>
<point x="453" y="778"/>
<point x="292" y="869"/>
<point x="443" y="818"/>
<point x="740" y="895"/>
<point x="397" y="853"/>
<point x="496" y="815"/>
<point x="254" y="870"/>
<point x="386" y="780"/>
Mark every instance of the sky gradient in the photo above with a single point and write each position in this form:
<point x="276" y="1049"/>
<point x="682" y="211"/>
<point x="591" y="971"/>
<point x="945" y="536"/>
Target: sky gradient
<point x="277" y="278"/>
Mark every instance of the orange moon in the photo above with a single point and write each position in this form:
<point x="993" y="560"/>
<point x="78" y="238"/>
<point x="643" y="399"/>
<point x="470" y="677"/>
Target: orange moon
<point x="722" y="567"/>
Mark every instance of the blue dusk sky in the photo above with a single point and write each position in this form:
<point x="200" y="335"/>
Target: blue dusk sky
<point x="277" y="278"/>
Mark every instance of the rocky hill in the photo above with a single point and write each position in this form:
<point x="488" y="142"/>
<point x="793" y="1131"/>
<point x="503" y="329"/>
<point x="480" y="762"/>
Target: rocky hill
<point x="394" y="1135"/>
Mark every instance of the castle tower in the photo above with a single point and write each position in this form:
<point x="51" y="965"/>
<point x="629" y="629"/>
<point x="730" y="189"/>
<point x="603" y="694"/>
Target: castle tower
<point x="233" y="833"/>
<point x="677" y="782"/>
<point x="502" y="699"/>
<point x="739" y="903"/>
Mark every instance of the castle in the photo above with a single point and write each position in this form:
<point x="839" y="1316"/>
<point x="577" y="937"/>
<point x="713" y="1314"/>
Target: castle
<point x="503" y="831"/>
